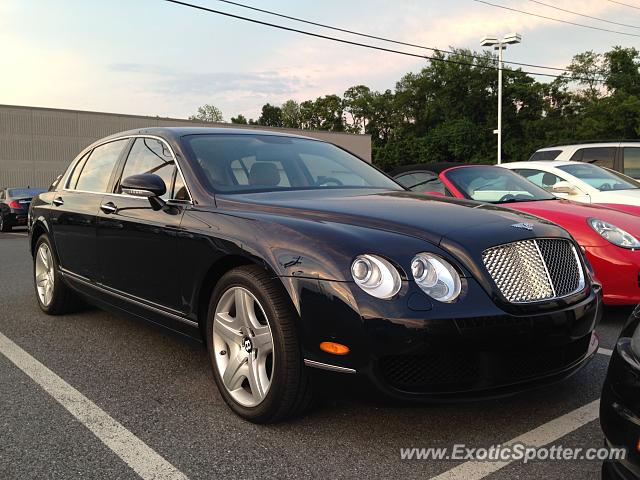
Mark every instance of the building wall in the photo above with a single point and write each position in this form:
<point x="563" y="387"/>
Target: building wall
<point x="37" y="144"/>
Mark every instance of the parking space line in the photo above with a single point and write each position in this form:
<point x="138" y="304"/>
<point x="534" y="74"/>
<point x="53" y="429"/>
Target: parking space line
<point x="538" y="437"/>
<point x="605" y="351"/>
<point x="134" y="452"/>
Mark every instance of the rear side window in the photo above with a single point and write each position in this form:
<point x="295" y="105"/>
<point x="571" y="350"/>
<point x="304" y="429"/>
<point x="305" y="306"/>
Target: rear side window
<point x="601" y="156"/>
<point x="149" y="155"/>
<point x="97" y="169"/>
<point x="545" y="155"/>
<point x="632" y="161"/>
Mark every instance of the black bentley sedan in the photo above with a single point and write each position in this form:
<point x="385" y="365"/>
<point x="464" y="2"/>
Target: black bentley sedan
<point x="287" y="254"/>
<point x="620" y="403"/>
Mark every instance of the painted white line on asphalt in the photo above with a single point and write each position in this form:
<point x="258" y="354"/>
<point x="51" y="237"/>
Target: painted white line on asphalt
<point x="133" y="451"/>
<point x="538" y="437"/>
<point x="605" y="351"/>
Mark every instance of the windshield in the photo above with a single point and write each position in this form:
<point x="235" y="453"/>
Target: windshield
<point x="495" y="185"/>
<point x="600" y="178"/>
<point x="245" y="163"/>
<point x="24" y="192"/>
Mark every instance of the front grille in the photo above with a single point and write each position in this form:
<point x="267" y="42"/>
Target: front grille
<point x="468" y="369"/>
<point x="534" y="270"/>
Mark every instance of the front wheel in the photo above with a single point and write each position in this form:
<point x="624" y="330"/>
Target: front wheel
<point x="4" y="225"/>
<point x="254" y="349"/>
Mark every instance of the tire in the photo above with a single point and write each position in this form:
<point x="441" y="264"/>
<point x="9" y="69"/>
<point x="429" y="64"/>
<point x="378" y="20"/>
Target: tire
<point x="4" y="226"/>
<point x="58" y="298"/>
<point x="258" y="390"/>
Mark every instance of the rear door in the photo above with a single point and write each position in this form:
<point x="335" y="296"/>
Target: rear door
<point x="75" y="208"/>
<point x="136" y="244"/>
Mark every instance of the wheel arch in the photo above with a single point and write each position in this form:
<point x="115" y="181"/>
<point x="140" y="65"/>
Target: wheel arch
<point x="218" y="269"/>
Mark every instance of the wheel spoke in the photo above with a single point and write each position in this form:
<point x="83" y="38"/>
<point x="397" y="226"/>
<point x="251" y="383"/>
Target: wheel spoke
<point x="262" y="341"/>
<point x="41" y="278"/>
<point x="235" y="372"/>
<point x="244" y="307"/>
<point x="44" y="257"/>
<point x="228" y="328"/>
<point x="258" y="389"/>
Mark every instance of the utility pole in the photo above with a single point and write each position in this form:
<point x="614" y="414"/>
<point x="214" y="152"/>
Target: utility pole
<point x="500" y="46"/>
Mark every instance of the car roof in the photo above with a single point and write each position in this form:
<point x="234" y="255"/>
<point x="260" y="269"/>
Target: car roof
<point x="436" y="167"/>
<point x="543" y="163"/>
<point x="176" y="132"/>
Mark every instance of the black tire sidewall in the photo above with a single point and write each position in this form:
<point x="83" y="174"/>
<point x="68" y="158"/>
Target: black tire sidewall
<point x="263" y="412"/>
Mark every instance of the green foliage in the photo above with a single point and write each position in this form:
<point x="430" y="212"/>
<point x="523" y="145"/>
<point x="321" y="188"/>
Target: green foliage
<point x="240" y="119"/>
<point x="208" y="113"/>
<point x="448" y="111"/>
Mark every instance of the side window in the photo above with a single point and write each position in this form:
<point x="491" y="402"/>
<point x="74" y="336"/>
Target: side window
<point x="97" y="169"/>
<point x="542" y="179"/>
<point x="545" y="155"/>
<point x="149" y="155"/>
<point x="601" y="156"/>
<point x="179" y="189"/>
<point x="632" y="161"/>
<point x="73" y="179"/>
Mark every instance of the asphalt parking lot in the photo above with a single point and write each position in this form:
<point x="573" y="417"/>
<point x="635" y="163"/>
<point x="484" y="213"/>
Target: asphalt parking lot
<point x="159" y="388"/>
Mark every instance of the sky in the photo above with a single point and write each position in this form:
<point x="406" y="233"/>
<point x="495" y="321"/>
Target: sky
<point x="151" y="57"/>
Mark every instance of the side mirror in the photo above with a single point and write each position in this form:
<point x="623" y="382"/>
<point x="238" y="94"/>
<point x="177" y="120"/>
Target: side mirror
<point x="564" y="187"/>
<point x="146" y="185"/>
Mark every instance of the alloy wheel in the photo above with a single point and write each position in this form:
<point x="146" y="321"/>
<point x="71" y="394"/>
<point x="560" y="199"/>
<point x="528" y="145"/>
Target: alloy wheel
<point x="243" y="346"/>
<point x="44" y="274"/>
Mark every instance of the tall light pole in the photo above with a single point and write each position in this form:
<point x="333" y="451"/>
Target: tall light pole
<point x="500" y="46"/>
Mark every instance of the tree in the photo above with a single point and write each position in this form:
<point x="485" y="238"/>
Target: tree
<point x="290" y="113"/>
<point x="271" y="116"/>
<point x="208" y="113"/>
<point x="587" y="69"/>
<point x="240" y="119"/>
<point x="358" y="103"/>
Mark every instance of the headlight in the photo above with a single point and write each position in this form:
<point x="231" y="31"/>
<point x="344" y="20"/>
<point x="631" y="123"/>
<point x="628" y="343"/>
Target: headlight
<point x="613" y="234"/>
<point x="436" y="277"/>
<point x="376" y="276"/>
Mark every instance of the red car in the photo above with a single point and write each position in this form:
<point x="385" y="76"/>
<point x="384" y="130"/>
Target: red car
<point x="608" y="237"/>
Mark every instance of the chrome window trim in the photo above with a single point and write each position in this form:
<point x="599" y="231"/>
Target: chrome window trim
<point x="65" y="183"/>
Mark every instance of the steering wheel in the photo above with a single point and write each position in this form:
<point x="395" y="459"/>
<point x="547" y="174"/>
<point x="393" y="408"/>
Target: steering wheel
<point x="507" y="197"/>
<point x="326" y="180"/>
<point x="606" y="186"/>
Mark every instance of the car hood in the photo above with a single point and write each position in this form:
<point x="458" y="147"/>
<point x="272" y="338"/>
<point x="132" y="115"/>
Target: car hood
<point x="435" y="219"/>
<point x="574" y="215"/>
<point x="620" y="196"/>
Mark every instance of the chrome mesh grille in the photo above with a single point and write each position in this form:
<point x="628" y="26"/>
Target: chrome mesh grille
<point x="535" y="270"/>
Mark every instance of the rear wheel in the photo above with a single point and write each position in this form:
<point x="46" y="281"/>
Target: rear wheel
<point x="54" y="296"/>
<point x="4" y="225"/>
<point x="254" y="349"/>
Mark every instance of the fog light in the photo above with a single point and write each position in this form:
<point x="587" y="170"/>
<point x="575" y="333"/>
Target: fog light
<point x="334" y="348"/>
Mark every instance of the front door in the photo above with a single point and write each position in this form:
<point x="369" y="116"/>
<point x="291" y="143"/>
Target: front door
<point x="136" y="244"/>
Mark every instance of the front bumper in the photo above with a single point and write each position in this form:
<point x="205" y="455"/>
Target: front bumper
<point x="619" y="271"/>
<point x="417" y="349"/>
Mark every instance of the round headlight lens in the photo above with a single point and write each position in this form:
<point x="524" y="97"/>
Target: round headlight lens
<point x="613" y="234"/>
<point x="436" y="277"/>
<point x="376" y="276"/>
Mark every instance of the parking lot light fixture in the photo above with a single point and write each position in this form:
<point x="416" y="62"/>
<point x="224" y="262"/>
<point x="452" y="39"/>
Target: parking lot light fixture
<point x="500" y="46"/>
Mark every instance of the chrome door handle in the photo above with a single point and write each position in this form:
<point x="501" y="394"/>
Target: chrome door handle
<point x="108" y="207"/>
<point x="58" y="201"/>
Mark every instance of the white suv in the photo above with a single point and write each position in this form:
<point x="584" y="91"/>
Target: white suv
<point x="621" y="156"/>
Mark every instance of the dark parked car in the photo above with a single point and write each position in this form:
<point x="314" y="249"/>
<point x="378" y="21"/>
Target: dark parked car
<point x="14" y="206"/>
<point x="620" y="403"/>
<point x="287" y="254"/>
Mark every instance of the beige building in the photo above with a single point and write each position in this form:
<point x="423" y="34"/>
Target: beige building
<point x="37" y="144"/>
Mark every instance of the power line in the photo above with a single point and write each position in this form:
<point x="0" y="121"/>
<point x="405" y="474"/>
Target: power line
<point x="584" y="15"/>
<point x="383" y="39"/>
<point x="358" y="44"/>
<point x="625" y="4"/>
<point x="557" y="19"/>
